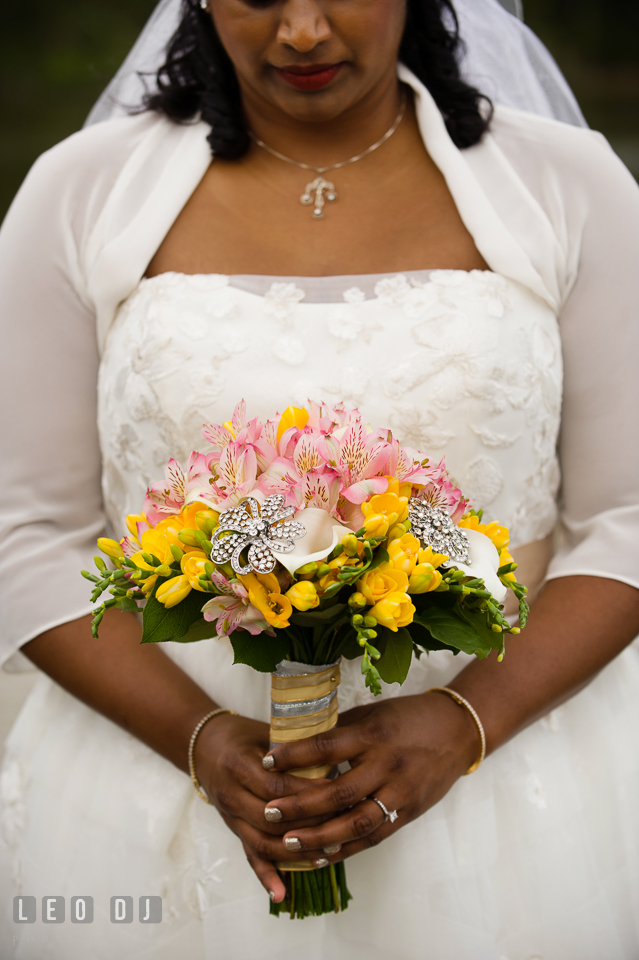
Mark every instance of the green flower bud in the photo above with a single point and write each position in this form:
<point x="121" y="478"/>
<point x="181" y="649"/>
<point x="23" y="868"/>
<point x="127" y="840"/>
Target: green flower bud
<point x="177" y="553"/>
<point x="203" y="542"/>
<point x="188" y="536"/>
<point x="350" y="545"/>
<point x="357" y="601"/>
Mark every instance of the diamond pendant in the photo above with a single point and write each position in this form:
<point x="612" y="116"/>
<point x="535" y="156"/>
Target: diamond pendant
<point x="324" y="190"/>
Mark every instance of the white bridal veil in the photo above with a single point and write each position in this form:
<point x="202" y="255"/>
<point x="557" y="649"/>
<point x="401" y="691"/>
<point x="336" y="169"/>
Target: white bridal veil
<point x="503" y="59"/>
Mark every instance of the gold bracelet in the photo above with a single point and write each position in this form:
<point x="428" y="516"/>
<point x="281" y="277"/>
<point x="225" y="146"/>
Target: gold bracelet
<point x="480" y="727"/>
<point x="194" y="736"/>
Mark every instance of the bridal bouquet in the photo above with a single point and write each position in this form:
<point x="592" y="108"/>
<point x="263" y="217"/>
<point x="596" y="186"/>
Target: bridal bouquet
<point x="305" y="539"/>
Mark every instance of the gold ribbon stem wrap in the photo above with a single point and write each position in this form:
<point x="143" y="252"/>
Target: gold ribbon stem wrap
<point x="303" y="704"/>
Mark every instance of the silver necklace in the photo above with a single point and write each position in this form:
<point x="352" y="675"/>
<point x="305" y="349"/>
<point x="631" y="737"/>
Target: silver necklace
<point x="320" y="190"/>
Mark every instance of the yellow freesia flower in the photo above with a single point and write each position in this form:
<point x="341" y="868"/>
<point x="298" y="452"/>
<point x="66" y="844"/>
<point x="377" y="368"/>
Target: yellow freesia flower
<point x="264" y="594"/>
<point x="494" y="531"/>
<point x="377" y="584"/>
<point x="195" y="514"/>
<point x="375" y="525"/>
<point x="292" y="417"/>
<point x="173" y="591"/>
<point x="392" y="506"/>
<point x="111" y="547"/>
<point x="427" y="555"/>
<point x="155" y="542"/>
<point x="395" y="610"/>
<point x="193" y="566"/>
<point x="147" y="585"/>
<point x="303" y="596"/>
<point x="132" y="522"/>
<point x="403" y="553"/>
<point x="170" y="528"/>
<point x="399" y="489"/>
<point x="424" y="578"/>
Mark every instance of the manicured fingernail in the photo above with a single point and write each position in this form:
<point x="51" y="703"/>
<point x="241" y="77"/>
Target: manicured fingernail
<point x="322" y="862"/>
<point x="271" y="894"/>
<point x="292" y="843"/>
<point x="272" y="814"/>
<point x="268" y="762"/>
<point x="334" y="848"/>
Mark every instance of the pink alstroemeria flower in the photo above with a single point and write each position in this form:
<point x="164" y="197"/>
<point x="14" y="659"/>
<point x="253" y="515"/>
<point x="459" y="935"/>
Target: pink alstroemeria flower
<point x="180" y="486"/>
<point x="324" y="419"/>
<point x="130" y="546"/>
<point x="443" y="493"/>
<point x="303" y="477"/>
<point x="219" y="434"/>
<point x="236" y="475"/>
<point x="359" y="456"/>
<point x="232" y="610"/>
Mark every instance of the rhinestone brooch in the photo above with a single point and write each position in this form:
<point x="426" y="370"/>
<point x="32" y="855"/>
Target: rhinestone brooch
<point x="434" y="528"/>
<point x="262" y="529"/>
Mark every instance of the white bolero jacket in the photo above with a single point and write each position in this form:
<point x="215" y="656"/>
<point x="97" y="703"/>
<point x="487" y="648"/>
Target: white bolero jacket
<point x="548" y="205"/>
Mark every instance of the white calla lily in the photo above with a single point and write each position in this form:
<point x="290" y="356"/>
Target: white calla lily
<point x="323" y="533"/>
<point x="484" y="562"/>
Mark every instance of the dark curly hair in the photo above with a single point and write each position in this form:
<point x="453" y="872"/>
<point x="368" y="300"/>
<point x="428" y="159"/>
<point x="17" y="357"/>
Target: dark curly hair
<point x="199" y="78"/>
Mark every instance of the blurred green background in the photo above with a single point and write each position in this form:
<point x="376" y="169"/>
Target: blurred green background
<point x="56" y="57"/>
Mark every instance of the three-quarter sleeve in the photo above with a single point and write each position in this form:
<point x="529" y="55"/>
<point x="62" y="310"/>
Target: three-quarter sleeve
<point x="599" y="323"/>
<point x="50" y="494"/>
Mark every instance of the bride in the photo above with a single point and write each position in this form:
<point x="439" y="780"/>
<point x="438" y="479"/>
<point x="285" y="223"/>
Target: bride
<point x="462" y="272"/>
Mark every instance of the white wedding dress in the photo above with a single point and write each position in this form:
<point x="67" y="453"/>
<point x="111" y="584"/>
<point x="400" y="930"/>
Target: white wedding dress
<point x="530" y="857"/>
<point x="534" y="857"/>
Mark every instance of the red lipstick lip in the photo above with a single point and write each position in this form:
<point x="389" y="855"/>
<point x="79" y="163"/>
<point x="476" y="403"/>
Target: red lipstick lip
<point x="313" y="77"/>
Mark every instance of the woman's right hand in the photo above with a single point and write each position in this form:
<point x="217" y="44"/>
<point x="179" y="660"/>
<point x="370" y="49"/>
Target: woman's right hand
<point x="228" y="759"/>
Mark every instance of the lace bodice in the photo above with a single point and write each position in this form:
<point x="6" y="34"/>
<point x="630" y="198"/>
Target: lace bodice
<point x="461" y="365"/>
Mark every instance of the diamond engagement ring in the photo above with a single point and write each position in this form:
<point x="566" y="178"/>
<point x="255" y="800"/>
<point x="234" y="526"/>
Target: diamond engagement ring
<point x="388" y="814"/>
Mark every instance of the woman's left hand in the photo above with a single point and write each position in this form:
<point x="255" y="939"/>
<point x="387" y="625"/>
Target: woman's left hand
<point x="406" y="752"/>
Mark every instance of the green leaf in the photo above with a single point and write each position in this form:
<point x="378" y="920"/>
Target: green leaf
<point x="160" y="624"/>
<point x="480" y="622"/>
<point x="448" y="627"/>
<point x="261" y="652"/>
<point x="128" y="605"/>
<point x="313" y="618"/>
<point x="424" y="639"/>
<point x="380" y="557"/>
<point x="397" y="653"/>
<point x="199" y="630"/>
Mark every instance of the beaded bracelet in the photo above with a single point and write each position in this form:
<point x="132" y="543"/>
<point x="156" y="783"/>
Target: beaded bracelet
<point x="194" y="736"/>
<point x="480" y="727"/>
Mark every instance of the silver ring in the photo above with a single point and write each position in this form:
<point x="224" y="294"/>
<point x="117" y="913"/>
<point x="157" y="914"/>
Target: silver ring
<point x="388" y="814"/>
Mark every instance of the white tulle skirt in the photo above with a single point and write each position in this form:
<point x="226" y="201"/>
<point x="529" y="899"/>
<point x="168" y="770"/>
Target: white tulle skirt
<point x="534" y="857"/>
